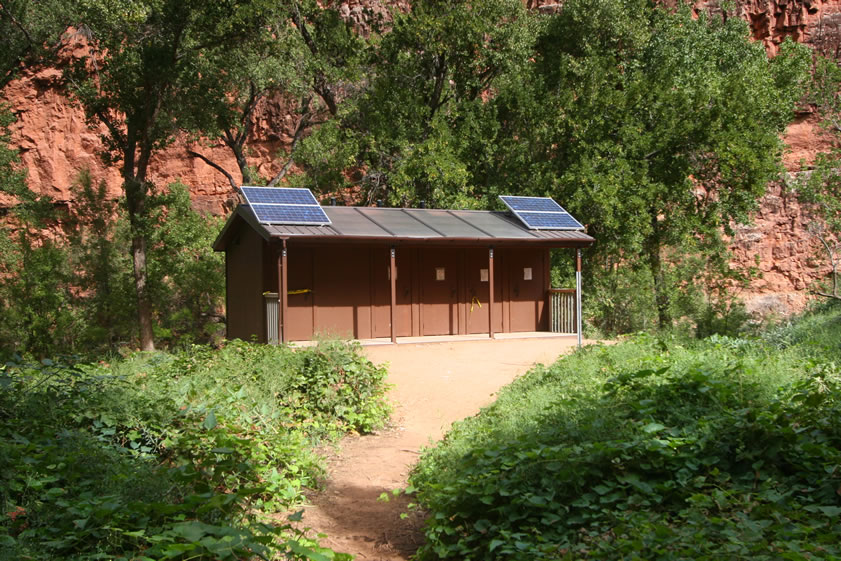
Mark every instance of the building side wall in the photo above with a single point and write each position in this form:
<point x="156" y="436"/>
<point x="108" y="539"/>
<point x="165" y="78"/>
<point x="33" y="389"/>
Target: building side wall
<point x="244" y="270"/>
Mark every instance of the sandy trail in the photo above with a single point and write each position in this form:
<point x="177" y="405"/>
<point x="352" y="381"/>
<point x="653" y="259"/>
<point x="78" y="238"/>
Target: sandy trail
<point x="434" y="384"/>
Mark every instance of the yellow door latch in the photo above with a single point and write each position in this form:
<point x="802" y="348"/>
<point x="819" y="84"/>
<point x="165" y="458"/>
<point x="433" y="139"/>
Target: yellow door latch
<point x="473" y="303"/>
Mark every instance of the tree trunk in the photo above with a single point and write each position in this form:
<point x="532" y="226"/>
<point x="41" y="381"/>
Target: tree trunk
<point x="144" y="305"/>
<point x="136" y="203"/>
<point x="655" y="263"/>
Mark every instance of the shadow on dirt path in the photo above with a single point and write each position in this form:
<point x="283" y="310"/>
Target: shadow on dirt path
<point x="434" y="384"/>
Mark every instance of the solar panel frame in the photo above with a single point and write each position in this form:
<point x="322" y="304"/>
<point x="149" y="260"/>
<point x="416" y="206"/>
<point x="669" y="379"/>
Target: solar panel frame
<point x="540" y="213"/>
<point x="282" y="205"/>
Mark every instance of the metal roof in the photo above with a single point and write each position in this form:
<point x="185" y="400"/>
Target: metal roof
<point x="406" y="225"/>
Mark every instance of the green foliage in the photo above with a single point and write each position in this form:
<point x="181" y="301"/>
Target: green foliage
<point x="11" y="177"/>
<point x="411" y="134"/>
<point x="173" y="456"/>
<point x="820" y="188"/>
<point x="36" y="301"/>
<point x="656" y="128"/>
<point x="72" y="292"/>
<point x="186" y="277"/>
<point x="657" y="448"/>
<point x="31" y="34"/>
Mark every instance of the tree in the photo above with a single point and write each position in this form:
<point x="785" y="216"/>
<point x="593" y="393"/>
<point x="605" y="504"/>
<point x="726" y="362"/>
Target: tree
<point x="415" y="127"/>
<point x="151" y="64"/>
<point x="308" y="56"/>
<point x="656" y="128"/>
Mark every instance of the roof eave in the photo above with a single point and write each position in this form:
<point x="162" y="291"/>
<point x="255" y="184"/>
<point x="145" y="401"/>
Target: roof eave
<point x="229" y="229"/>
<point x="437" y="240"/>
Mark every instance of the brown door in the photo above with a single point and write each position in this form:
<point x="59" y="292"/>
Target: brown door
<point x="439" y="291"/>
<point x="525" y="288"/>
<point x="381" y="275"/>
<point x="300" y="296"/>
<point x="477" y="283"/>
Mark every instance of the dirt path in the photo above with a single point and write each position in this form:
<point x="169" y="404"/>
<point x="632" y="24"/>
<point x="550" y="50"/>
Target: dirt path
<point x="435" y="384"/>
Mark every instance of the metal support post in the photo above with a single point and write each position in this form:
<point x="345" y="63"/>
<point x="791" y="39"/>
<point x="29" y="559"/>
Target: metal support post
<point x="393" y="294"/>
<point x="491" y="293"/>
<point x="578" y="322"/>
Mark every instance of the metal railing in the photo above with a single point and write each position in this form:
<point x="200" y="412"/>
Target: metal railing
<point x="271" y="317"/>
<point x="562" y="316"/>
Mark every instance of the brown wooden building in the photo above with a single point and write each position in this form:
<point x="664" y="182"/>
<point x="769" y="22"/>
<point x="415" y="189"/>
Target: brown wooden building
<point x="388" y="272"/>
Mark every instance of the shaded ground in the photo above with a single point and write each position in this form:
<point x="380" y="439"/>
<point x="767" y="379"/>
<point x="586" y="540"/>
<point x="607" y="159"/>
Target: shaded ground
<point x="435" y="384"/>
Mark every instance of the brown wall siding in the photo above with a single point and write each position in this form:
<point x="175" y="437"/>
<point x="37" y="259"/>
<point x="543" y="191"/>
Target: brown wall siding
<point x="381" y="283"/>
<point x="477" y="297"/>
<point x="439" y="297"/>
<point x="526" y="297"/>
<point x="342" y="291"/>
<point x="244" y="291"/>
<point x="347" y="291"/>
<point x="301" y="314"/>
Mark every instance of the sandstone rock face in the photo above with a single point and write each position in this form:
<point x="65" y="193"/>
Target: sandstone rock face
<point x="786" y="255"/>
<point x="56" y="142"/>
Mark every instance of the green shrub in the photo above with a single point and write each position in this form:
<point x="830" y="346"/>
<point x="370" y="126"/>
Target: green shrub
<point x="173" y="456"/>
<point x="658" y="448"/>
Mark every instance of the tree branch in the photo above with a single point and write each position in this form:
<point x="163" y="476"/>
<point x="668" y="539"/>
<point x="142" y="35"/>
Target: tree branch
<point x="320" y="84"/>
<point x="215" y="166"/>
<point x="112" y="128"/>
<point x="825" y="295"/>
<point x="299" y="129"/>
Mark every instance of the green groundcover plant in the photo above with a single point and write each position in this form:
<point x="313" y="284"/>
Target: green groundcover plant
<point x="174" y="456"/>
<point x="655" y="448"/>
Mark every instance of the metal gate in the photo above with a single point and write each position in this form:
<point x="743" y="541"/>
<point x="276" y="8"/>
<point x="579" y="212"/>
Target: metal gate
<point x="562" y="317"/>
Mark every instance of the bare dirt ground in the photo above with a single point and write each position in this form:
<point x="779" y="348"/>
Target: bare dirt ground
<point x="434" y="384"/>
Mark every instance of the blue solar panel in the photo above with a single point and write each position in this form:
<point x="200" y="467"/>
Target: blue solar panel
<point x="278" y="196"/>
<point x="541" y="204"/>
<point x="541" y="213"/>
<point x="279" y="205"/>
<point x="549" y="221"/>
<point x="290" y="214"/>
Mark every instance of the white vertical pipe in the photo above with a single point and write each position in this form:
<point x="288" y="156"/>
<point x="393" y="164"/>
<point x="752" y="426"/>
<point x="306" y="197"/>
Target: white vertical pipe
<point x="578" y="295"/>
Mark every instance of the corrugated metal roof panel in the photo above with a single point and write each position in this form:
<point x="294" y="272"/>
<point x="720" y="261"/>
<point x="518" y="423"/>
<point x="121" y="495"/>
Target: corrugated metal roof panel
<point x="373" y="223"/>
<point x="350" y="222"/>
<point x="494" y="224"/>
<point x="445" y="222"/>
<point x="400" y="223"/>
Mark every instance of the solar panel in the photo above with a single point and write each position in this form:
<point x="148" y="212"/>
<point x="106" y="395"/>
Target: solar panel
<point x="290" y="214"/>
<point x="279" y="196"/>
<point x="541" y="213"/>
<point x="276" y="205"/>
<point x="550" y="220"/>
<point x="540" y="204"/>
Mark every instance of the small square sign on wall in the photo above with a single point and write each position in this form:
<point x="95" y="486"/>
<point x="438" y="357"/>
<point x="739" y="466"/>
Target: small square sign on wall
<point x="440" y="273"/>
<point x="483" y="275"/>
<point x="527" y="273"/>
